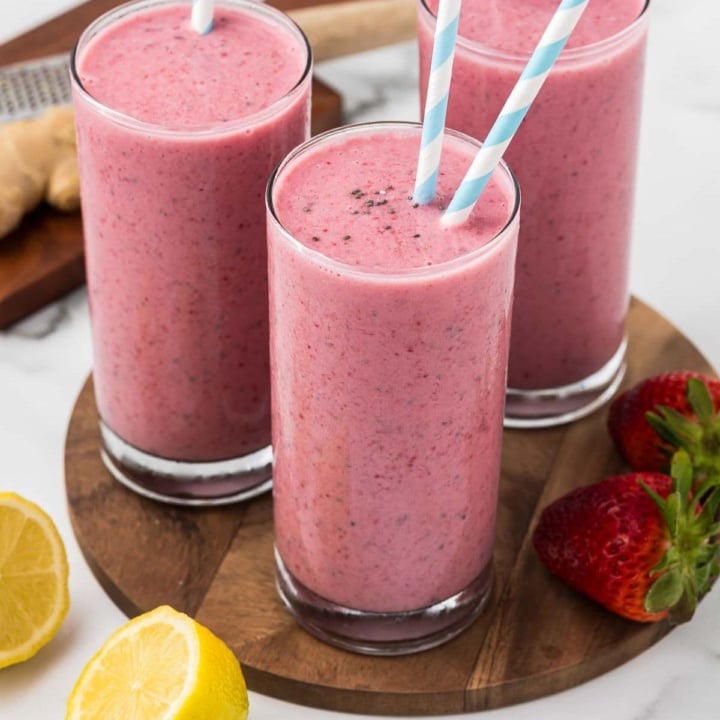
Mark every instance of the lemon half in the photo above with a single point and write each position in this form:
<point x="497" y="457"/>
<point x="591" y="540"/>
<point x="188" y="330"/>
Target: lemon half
<point x="162" y="665"/>
<point x="34" y="597"/>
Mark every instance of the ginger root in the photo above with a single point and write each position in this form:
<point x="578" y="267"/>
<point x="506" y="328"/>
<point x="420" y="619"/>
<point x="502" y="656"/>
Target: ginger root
<point x="38" y="161"/>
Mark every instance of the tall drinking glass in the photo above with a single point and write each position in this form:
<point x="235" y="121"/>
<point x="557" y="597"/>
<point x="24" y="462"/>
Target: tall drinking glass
<point x="575" y="158"/>
<point x="389" y="338"/>
<point x="178" y="133"/>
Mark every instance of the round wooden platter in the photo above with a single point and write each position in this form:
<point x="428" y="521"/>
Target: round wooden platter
<point x="535" y="638"/>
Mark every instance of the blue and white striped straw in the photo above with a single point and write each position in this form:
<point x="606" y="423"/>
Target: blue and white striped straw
<point x="516" y="107"/>
<point x="202" y="16"/>
<point x="436" y="100"/>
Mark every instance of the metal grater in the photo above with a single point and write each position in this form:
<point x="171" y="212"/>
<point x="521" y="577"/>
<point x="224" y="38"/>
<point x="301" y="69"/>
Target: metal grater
<point x="28" y="88"/>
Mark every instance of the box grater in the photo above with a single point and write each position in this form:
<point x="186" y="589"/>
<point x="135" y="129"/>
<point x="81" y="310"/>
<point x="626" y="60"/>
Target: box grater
<point x="27" y="88"/>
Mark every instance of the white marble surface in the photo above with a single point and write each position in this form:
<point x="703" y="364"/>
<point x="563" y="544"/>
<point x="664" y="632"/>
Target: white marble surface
<point x="44" y="360"/>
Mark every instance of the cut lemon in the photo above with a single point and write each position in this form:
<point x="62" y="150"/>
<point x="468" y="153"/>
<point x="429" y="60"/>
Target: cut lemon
<point x="162" y="665"/>
<point x="33" y="579"/>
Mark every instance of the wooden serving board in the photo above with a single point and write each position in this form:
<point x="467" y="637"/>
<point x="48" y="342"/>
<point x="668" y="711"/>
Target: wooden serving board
<point x="43" y="259"/>
<point x="536" y="636"/>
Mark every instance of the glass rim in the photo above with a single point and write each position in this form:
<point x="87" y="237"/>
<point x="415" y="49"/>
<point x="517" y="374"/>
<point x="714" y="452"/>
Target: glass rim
<point x="202" y="129"/>
<point x="364" y="271"/>
<point x="568" y="54"/>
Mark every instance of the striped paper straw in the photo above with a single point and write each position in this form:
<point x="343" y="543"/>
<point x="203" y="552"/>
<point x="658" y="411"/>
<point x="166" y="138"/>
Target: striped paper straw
<point x="516" y="107"/>
<point x="202" y="16"/>
<point x="436" y="101"/>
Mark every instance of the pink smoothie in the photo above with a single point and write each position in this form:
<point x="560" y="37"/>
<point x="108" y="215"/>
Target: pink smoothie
<point x="574" y="157"/>
<point x="173" y="180"/>
<point x="389" y="340"/>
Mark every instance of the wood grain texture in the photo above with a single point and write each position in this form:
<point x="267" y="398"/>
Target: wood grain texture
<point x="43" y="259"/>
<point x="535" y="638"/>
<point x="351" y="26"/>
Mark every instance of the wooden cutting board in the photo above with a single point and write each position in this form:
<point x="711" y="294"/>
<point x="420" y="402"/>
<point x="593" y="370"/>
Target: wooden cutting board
<point x="43" y="259"/>
<point x="536" y="636"/>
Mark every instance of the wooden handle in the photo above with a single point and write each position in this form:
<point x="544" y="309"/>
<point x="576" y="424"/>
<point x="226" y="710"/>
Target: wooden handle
<point x="344" y="28"/>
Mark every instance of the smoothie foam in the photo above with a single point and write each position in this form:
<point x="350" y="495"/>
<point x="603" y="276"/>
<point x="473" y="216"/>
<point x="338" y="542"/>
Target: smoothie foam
<point x="389" y="345"/>
<point x="177" y="135"/>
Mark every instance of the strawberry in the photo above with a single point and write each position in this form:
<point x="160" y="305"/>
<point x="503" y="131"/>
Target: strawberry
<point x="666" y="412"/>
<point x="638" y="544"/>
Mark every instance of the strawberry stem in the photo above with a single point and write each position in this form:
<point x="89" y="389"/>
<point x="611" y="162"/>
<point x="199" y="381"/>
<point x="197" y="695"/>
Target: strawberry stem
<point x="698" y="435"/>
<point x="690" y="564"/>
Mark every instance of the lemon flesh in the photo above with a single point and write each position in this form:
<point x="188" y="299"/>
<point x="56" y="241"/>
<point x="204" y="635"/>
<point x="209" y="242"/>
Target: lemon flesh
<point x="34" y="598"/>
<point x="162" y="665"/>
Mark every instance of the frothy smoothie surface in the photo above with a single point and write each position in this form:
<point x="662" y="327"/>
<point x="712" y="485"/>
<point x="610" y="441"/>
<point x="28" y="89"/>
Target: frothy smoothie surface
<point x="173" y="75"/>
<point x="351" y="201"/>
<point x="517" y="25"/>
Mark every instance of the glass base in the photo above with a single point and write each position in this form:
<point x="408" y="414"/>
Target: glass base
<point x="186" y="483"/>
<point x="557" y="406"/>
<point x="391" y="633"/>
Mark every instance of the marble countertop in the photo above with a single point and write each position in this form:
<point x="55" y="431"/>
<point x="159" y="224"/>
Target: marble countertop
<point x="676" y="269"/>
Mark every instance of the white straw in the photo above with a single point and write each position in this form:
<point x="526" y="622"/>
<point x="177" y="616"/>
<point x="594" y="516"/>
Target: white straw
<point x="436" y="101"/>
<point x="202" y="16"/>
<point x="516" y="107"/>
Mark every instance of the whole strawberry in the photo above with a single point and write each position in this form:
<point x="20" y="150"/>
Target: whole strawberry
<point x="666" y="412"/>
<point x="636" y="543"/>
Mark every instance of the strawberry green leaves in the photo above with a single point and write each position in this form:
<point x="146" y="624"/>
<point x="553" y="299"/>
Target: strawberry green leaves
<point x="698" y="435"/>
<point x="666" y="412"/>
<point x="690" y="564"/>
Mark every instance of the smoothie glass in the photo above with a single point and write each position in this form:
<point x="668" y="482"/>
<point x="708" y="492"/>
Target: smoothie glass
<point x="575" y="158"/>
<point x="389" y="338"/>
<point x="174" y="158"/>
